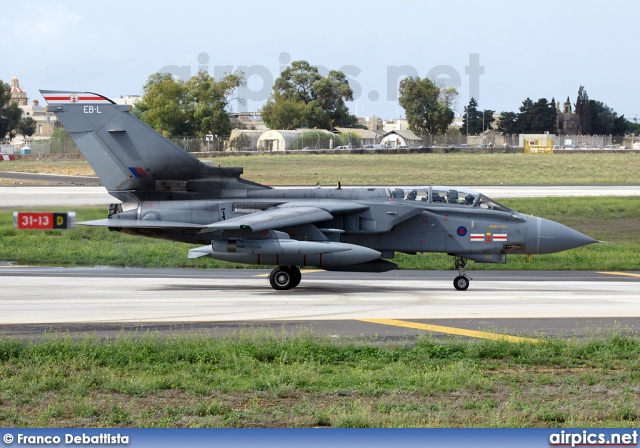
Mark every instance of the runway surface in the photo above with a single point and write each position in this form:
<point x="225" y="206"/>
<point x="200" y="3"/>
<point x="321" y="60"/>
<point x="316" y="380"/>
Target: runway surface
<point x="73" y="196"/>
<point x="398" y="305"/>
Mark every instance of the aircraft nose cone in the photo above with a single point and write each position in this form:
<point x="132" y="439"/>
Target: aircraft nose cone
<point x="548" y="237"/>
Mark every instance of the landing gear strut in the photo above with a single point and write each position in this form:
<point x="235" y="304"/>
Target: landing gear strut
<point x="285" y="277"/>
<point x="461" y="282"/>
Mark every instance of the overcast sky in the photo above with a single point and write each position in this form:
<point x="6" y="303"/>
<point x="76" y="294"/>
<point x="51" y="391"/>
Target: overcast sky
<point x="500" y="51"/>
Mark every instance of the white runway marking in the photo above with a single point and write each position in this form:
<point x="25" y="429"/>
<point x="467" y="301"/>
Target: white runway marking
<point x="58" y="299"/>
<point x="14" y="197"/>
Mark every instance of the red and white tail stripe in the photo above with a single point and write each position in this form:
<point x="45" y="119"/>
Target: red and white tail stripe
<point x="75" y="98"/>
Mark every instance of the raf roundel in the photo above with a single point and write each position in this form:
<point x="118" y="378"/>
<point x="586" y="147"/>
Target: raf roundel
<point x="462" y="231"/>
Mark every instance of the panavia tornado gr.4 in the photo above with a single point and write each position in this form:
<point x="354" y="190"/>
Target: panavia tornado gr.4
<point x="167" y="193"/>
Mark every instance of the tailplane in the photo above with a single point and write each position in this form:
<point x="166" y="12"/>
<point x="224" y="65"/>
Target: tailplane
<point x="132" y="160"/>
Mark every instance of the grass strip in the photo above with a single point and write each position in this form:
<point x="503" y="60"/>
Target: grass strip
<point x="372" y="168"/>
<point x="262" y="378"/>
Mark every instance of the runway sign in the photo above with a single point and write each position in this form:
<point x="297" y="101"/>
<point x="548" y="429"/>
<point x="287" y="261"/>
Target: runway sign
<point x="44" y="220"/>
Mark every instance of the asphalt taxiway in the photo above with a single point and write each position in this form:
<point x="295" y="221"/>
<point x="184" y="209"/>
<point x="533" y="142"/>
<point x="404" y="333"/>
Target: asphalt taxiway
<point x="397" y="305"/>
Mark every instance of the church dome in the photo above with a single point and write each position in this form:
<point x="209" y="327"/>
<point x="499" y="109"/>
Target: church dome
<point x="18" y="95"/>
<point x="15" y="85"/>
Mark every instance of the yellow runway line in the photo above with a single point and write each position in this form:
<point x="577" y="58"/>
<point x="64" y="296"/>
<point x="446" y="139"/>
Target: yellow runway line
<point x="451" y="330"/>
<point x="624" y="274"/>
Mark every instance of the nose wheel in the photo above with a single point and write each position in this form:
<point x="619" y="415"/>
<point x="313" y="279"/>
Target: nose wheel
<point x="283" y="278"/>
<point x="461" y="282"/>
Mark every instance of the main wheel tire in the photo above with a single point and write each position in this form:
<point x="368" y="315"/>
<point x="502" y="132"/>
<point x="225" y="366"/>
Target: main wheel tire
<point x="281" y="278"/>
<point x="297" y="275"/>
<point x="461" y="283"/>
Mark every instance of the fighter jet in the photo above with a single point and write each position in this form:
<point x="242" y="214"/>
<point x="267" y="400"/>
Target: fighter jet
<point x="167" y="193"/>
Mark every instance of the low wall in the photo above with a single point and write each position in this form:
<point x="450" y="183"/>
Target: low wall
<point x="34" y="157"/>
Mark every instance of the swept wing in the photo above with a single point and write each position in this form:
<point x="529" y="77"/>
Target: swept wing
<point x="272" y="219"/>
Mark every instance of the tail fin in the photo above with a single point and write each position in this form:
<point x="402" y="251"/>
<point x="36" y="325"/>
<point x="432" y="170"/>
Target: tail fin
<point x="132" y="160"/>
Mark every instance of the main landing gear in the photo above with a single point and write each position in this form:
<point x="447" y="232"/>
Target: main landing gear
<point x="461" y="282"/>
<point x="285" y="277"/>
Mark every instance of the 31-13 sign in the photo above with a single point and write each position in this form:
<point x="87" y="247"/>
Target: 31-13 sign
<point x="43" y="220"/>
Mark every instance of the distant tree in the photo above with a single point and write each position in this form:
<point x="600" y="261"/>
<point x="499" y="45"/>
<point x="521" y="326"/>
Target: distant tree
<point x="332" y="92"/>
<point x="316" y="139"/>
<point x="605" y="121"/>
<point x="163" y="105"/>
<point x="621" y="125"/>
<point x="478" y="120"/>
<point x="26" y="127"/>
<point x="533" y="118"/>
<point x="297" y="82"/>
<point x="453" y="131"/>
<point x="10" y="114"/>
<point x="593" y="117"/>
<point x="542" y="117"/>
<point x="508" y="123"/>
<point x="583" y="112"/>
<point x="303" y="98"/>
<point x="284" y="113"/>
<point x="207" y="100"/>
<point x="10" y="119"/>
<point x="427" y="106"/>
<point x="601" y="118"/>
<point x="62" y="143"/>
<point x="197" y="107"/>
<point x="631" y="127"/>
<point x="472" y="119"/>
<point x="241" y="142"/>
<point x="487" y="119"/>
<point x="524" y="117"/>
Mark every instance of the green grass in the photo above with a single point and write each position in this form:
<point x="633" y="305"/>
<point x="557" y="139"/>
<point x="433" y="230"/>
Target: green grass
<point x="259" y="378"/>
<point x="615" y="220"/>
<point x="439" y="169"/>
<point x="406" y="169"/>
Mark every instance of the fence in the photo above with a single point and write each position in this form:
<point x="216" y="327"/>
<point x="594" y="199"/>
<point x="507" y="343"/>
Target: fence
<point x="308" y="141"/>
<point x="591" y="141"/>
<point x="53" y="146"/>
<point x="512" y="140"/>
<point x="312" y="141"/>
<point x="40" y="147"/>
<point x="198" y="144"/>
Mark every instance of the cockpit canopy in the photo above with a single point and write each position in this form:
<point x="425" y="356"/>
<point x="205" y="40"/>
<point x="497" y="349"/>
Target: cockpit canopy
<point x="448" y="196"/>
